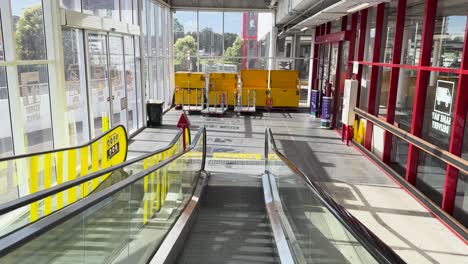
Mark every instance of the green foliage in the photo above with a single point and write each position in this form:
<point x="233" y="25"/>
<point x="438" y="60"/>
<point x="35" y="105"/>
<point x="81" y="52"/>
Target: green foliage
<point x="233" y="53"/>
<point x="30" y="42"/>
<point x="184" y="48"/>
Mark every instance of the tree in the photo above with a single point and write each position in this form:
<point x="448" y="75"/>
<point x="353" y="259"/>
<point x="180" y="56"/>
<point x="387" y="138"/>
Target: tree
<point x="178" y="30"/>
<point x="234" y="52"/>
<point x="183" y="49"/>
<point x="229" y="39"/>
<point x="30" y="40"/>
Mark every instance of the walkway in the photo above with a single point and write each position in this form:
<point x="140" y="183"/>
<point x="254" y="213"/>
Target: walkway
<point x="370" y="195"/>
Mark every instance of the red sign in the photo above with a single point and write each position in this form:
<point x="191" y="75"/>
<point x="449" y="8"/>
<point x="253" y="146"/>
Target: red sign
<point x="184" y="122"/>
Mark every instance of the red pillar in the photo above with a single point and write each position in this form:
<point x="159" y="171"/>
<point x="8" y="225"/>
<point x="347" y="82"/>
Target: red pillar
<point x="421" y="87"/>
<point x="338" y="87"/>
<point x="360" y="55"/>
<point x="371" y="99"/>
<point x="394" y="76"/>
<point x="458" y="127"/>
<point x="352" y="45"/>
<point x="315" y="61"/>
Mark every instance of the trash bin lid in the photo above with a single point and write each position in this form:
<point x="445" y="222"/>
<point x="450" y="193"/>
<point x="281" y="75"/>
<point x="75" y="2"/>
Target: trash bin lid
<point x="155" y="101"/>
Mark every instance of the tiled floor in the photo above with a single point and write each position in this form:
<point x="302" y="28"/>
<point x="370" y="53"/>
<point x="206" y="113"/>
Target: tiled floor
<point x="370" y="195"/>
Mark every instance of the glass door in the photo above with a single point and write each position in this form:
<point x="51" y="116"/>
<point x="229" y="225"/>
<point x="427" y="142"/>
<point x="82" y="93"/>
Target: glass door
<point x="117" y="81"/>
<point x="98" y="79"/>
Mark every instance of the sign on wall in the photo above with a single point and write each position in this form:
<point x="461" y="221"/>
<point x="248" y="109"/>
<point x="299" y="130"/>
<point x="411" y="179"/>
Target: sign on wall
<point x="442" y="114"/>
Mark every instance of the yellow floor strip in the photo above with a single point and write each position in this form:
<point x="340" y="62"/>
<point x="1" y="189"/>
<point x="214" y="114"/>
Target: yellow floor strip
<point x="59" y="165"/>
<point x="33" y="187"/>
<point x="47" y="182"/>
<point x="247" y="156"/>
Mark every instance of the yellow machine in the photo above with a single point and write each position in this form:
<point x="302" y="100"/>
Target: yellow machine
<point x="223" y="84"/>
<point x="284" y="88"/>
<point x="254" y="80"/>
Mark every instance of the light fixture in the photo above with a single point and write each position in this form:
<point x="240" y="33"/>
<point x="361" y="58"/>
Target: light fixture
<point x="304" y="29"/>
<point x="357" y="7"/>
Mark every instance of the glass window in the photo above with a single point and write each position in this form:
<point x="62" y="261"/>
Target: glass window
<point x="411" y="44"/>
<point x="107" y="9"/>
<point x="29" y="30"/>
<point x="35" y="107"/>
<point x="126" y="11"/>
<point x="389" y="30"/>
<point x="117" y="75"/>
<point x="431" y="176"/>
<point x="233" y="39"/>
<point x="405" y="98"/>
<point x="75" y="86"/>
<point x="284" y="47"/>
<point x="460" y="210"/>
<point x="99" y="82"/>
<point x="153" y="28"/>
<point x="370" y="33"/>
<point x="210" y="31"/>
<point x="383" y="86"/>
<point x="185" y="41"/>
<point x="72" y="4"/>
<point x="356" y="44"/>
<point x="365" y="84"/>
<point x="449" y="34"/>
<point x="130" y="84"/>
<point x="6" y="140"/>
<point x="2" y="51"/>
<point x="335" y="25"/>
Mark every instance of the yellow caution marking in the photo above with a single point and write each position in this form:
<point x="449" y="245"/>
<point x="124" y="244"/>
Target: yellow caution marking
<point x="84" y="167"/>
<point x="247" y="156"/>
<point x="105" y="122"/>
<point x="145" y="203"/>
<point x="47" y="182"/>
<point x="152" y="193"/>
<point x="33" y="187"/>
<point x="94" y="163"/>
<point x="59" y="165"/>
<point x="72" y="175"/>
<point x="158" y="184"/>
<point x="163" y="182"/>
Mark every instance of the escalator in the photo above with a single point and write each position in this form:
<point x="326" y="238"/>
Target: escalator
<point x="174" y="211"/>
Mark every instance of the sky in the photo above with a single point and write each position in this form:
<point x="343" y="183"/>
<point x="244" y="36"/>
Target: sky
<point x="17" y="6"/>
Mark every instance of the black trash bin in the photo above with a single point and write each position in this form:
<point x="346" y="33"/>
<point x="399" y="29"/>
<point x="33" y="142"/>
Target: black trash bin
<point x="154" y="110"/>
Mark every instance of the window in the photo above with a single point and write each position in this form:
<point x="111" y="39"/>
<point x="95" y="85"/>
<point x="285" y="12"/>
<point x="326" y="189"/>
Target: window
<point x="72" y="5"/>
<point x="382" y="90"/>
<point x="210" y="31"/>
<point x="412" y="32"/>
<point x="75" y="86"/>
<point x="29" y="30"/>
<point x="130" y="84"/>
<point x="370" y="37"/>
<point x="233" y="39"/>
<point x="389" y="30"/>
<point x="365" y="84"/>
<point x="6" y="140"/>
<point x="35" y="107"/>
<point x="449" y="34"/>
<point x="107" y="9"/>
<point x="126" y="11"/>
<point x="185" y="41"/>
<point x="405" y="98"/>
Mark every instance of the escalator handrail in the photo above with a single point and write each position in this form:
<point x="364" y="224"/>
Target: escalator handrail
<point x="39" y="195"/>
<point x="376" y="247"/>
<point x="17" y="239"/>
<point x="89" y="143"/>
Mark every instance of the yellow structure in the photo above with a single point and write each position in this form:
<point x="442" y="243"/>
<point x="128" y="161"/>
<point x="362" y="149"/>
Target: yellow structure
<point x="284" y="88"/>
<point x="189" y="88"/>
<point x="255" y="80"/>
<point x="220" y="83"/>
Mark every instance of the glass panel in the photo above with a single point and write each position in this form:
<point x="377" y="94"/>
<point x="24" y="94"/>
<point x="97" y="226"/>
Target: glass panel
<point x="320" y="235"/>
<point x="232" y="37"/>
<point x="72" y="5"/>
<point x="99" y="82"/>
<point x="431" y="176"/>
<point x="460" y="210"/>
<point x="284" y="47"/>
<point x="210" y="30"/>
<point x="412" y="33"/>
<point x="117" y="75"/>
<point x="6" y="140"/>
<point x="399" y="155"/>
<point x="370" y="34"/>
<point x="29" y="30"/>
<point x="130" y="85"/>
<point x="35" y="101"/>
<point x="383" y="87"/>
<point x="405" y="98"/>
<point x="75" y="86"/>
<point x="2" y="52"/>
<point x="185" y="41"/>
<point x="126" y="227"/>
<point x="449" y="34"/>
<point x="389" y="30"/>
<point x="365" y="83"/>
<point x="126" y="11"/>
<point x="107" y="9"/>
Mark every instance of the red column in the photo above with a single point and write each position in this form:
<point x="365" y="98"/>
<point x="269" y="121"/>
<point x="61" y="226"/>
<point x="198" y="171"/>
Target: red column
<point x="371" y="99"/>
<point x="338" y="87"/>
<point x="394" y="75"/>
<point x="360" y="55"/>
<point x="421" y="87"/>
<point x="458" y="127"/>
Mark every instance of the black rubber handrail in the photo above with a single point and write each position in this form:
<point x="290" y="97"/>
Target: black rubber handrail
<point x="39" y="195"/>
<point x="66" y="149"/>
<point x="376" y="247"/>
<point x="15" y="240"/>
